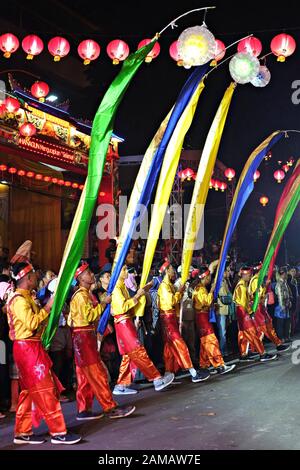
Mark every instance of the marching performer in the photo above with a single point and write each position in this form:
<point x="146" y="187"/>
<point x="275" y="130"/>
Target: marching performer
<point x="40" y="386"/>
<point x="247" y="330"/>
<point x="92" y="379"/>
<point x="176" y="353"/>
<point x="262" y="319"/>
<point x="122" y="309"/>
<point x="210" y="354"/>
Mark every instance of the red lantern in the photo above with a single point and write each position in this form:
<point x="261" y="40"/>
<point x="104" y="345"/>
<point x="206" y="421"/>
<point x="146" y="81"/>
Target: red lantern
<point x="250" y="45"/>
<point x="40" y="90"/>
<point x="283" y="45"/>
<point x="117" y="50"/>
<point x="38" y="176"/>
<point x="30" y="174"/>
<point x="54" y="180"/>
<point x="220" y="51"/>
<point x="12" y="170"/>
<point x="9" y="43"/>
<point x="67" y="184"/>
<point x="217" y="184"/>
<point x="47" y="179"/>
<point x="211" y="183"/>
<point x="256" y="175"/>
<point x="174" y="53"/>
<point x="12" y="105"/>
<point x="81" y="187"/>
<point x="27" y="129"/>
<point x="21" y="173"/>
<point x="286" y="168"/>
<point x="229" y="173"/>
<point x="3" y="167"/>
<point x="75" y="185"/>
<point x="279" y="175"/>
<point x="59" y="47"/>
<point x="264" y="200"/>
<point x="223" y="186"/>
<point x="188" y="174"/>
<point x="88" y="50"/>
<point x="154" y="51"/>
<point x="60" y="182"/>
<point x="32" y="45"/>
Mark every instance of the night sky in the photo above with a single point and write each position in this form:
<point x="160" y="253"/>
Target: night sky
<point x="254" y="112"/>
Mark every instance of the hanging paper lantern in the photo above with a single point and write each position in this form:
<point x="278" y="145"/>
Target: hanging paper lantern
<point x="47" y="179"/>
<point x="40" y="90"/>
<point x="38" y="176"/>
<point x="250" y="46"/>
<point x="54" y="180"/>
<point x="67" y="184"/>
<point x="58" y="47"/>
<point x="211" y="183"/>
<point x="88" y="50"/>
<point x="3" y="167"/>
<point x="217" y="185"/>
<point x="12" y="170"/>
<point x="154" y="51"/>
<point x="243" y="67"/>
<point x="279" y="175"/>
<point x="27" y="129"/>
<point x="285" y="168"/>
<point x="75" y="185"/>
<point x="264" y="200"/>
<point x="9" y="43"/>
<point x="117" y="50"/>
<point x="21" y="173"/>
<point x="229" y="173"/>
<point x="81" y="187"/>
<point x="262" y="78"/>
<point x="188" y="174"/>
<point x="174" y="53"/>
<point x="30" y="174"/>
<point x="32" y="45"/>
<point x="256" y="175"/>
<point x="219" y="53"/>
<point x="12" y="105"/>
<point x="283" y="45"/>
<point x="60" y="182"/>
<point x="196" y="45"/>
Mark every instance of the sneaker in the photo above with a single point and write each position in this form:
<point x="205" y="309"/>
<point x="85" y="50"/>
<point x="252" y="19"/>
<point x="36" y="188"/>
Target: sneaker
<point x="24" y="439"/>
<point x="86" y="415"/>
<point x="67" y="439"/>
<point x="212" y="370"/>
<point x="201" y="376"/>
<point x="246" y="358"/>
<point x="163" y="382"/>
<point x="283" y="347"/>
<point x="120" y="412"/>
<point x="253" y="355"/>
<point x="268" y="357"/>
<point x="123" y="390"/>
<point x="225" y="369"/>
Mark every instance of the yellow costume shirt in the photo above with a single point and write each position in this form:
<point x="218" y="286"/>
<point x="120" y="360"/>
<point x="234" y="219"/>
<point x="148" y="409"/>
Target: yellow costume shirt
<point x="202" y="300"/>
<point x="121" y="302"/>
<point x="241" y="296"/>
<point x="82" y="312"/>
<point x="167" y="298"/>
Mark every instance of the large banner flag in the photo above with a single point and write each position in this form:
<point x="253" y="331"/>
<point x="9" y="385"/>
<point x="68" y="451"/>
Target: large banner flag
<point x="100" y="137"/>
<point x="147" y="179"/>
<point x="277" y="234"/>
<point x="201" y="188"/>
<point x="283" y="202"/>
<point x="242" y="192"/>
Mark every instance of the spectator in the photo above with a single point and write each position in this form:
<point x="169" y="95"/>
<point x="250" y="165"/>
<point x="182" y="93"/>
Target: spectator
<point x="282" y="310"/>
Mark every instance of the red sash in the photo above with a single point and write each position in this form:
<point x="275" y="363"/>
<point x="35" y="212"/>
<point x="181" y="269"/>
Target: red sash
<point x="205" y="327"/>
<point x="32" y="361"/>
<point x="85" y="346"/>
<point x="243" y="319"/>
<point x="126" y="336"/>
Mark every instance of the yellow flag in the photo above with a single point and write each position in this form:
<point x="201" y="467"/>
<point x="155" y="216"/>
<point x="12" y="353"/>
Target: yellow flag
<point x="204" y="173"/>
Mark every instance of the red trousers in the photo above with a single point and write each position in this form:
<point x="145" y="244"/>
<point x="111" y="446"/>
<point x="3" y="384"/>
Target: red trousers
<point x="269" y="331"/>
<point x="176" y="353"/>
<point x="210" y="354"/>
<point x="247" y="334"/>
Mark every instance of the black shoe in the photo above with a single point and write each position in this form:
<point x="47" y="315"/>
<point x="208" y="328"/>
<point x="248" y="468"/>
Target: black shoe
<point x="120" y="412"/>
<point x="67" y="439"/>
<point x="246" y="358"/>
<point x="225" y="369"/>
<point x="24" y="439"/>
<point x="87" y="415"/>
<point x="283" y="347"/>
<point x="253" y="355"/>
<point x="268" y="357"/>
<point x="201" y="376"/>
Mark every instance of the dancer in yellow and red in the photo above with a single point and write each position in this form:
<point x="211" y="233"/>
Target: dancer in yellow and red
<point x="247" y="334"/>
<point x="92" y="379"/>
<point x="176" y="353"/>
<point x="210" y="354"/>
<point x="262" y="319"/>
<point x="122" y="309"/>
<point x="39" y="384"/>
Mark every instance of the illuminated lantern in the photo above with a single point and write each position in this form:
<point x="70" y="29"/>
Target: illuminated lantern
<point x="268" y="155"/>
<point x="286" y="168"/>
<point x="9" y="43"/>
<point x="291" y="162"/>
<point x="283" y="45"/>
<point x="12" y="105"/>
<point x="60" y="182"/>
<point x="250" y="45"/>
<point x="279" y="175"/>
<point x="3" y="167"/>
<point x="32" y="45"/>
<point x="58" y="47"/>
<point x="102" y="193"/>
<point x="2" y="109"/>
<point x="188" y="174"/>
<point x="256" y="175"/>
<point x="154" y="51"/>
<point x="117" y="50"/>
<point x="54" y="180"/>
<point x="21" y="173"/>
<point x="229" y="173"/>
<point x="196" y="45"/>
<point x="174" y="53"/>
<point x="264" y="200"/>
<point x="67" y="184"/>
<point x="40" y="90"/>
<point x="88" y="50"/>
<point x="211" y="183"/>
<point x="47" y="179"/>
<point x="75" y="185"/>
<point x="217" y="185"/>
<point x="81" y="187"/>
<point x="262" y="78"/>
<point x="38" y="176"/>
<point x="30" y="174"/>
<point x="219" y="53"/>
<point x="12" y="170"/>
<point x="27" y="130"/>
<point x="223" y="186"/>
<point x="243" y="67"/>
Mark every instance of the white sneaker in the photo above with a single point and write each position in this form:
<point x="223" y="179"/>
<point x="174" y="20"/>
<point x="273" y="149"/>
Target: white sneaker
<point x="163" y="382"/>
<point x="122" y="390"/>
<point x="225" y="369"/>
